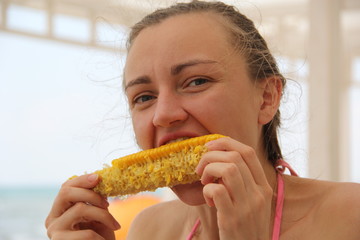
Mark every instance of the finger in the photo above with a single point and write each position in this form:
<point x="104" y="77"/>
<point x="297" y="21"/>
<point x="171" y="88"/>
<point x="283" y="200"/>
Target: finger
<point x="247" y="153"/>
<point x="85" y="181"/>
<point x="230" y="157"/>
<point x="83" y="213"/>
<point x="71" y="192"/>
<point x="216" y="156"/>
<point x="217" y="195"/>
<point x="227" y="174"/>
<point x="68" y="196"/>
<point x="76" y="235"/>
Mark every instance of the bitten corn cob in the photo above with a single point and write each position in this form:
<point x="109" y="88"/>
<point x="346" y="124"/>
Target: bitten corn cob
<point x="148" y="170"/>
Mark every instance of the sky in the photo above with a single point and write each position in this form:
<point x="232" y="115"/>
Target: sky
<point x="62" y="111"/>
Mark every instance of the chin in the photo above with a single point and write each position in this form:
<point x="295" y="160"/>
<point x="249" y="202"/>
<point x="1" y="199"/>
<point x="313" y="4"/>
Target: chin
<point x="191" y="194"/>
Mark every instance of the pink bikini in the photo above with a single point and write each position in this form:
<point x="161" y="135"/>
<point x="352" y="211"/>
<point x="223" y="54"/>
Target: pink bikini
<point x="280" y="166"/>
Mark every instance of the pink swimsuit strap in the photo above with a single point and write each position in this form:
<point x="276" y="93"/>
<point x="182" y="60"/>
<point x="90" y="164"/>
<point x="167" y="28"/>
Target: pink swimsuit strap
<point x="280" y="167"/>
<point x="193" y="230"/>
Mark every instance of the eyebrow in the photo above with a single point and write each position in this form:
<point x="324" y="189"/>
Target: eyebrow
<point x="175" y="70"/>
<point x="139" y="80"/>
<point x="179" y="67"/>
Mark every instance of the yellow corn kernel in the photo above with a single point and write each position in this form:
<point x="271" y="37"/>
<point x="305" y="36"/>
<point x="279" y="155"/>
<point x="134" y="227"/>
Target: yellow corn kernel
<point x="168" y="165"/>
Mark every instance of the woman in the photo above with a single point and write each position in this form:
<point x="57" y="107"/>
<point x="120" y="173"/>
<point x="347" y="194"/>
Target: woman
<point x="195" y="69"/>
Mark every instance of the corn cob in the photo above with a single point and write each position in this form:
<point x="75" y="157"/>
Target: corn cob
<point x="148" y="170"/>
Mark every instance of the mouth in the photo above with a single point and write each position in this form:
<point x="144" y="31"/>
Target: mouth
<point x="177" y="140"/>
<point x="175" y="137"/>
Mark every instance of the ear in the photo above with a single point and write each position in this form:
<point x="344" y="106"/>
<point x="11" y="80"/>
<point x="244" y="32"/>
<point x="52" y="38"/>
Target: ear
<point x="271" y="91"/>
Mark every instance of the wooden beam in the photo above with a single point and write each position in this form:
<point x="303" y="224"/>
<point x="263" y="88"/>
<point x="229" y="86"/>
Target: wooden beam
<point x="66" y="41"/>
<point x="50" y="15"/>
<point x="4" y="8"/>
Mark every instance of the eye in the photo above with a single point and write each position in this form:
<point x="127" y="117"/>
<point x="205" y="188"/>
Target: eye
<point x="143" y="98"/>
<point x="198" y="81"/>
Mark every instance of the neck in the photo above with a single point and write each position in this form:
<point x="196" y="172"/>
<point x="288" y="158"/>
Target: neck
<point x="268" y="167"/>
<point x="208" y="228"/>
<point x="271" y="177"/>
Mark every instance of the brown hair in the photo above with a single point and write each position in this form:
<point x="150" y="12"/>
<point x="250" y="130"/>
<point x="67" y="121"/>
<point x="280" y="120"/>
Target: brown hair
<point x="244" y="37"/>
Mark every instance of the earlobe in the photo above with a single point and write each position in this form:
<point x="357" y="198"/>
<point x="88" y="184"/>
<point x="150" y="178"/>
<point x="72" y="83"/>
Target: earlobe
<point x="271" y="89"/>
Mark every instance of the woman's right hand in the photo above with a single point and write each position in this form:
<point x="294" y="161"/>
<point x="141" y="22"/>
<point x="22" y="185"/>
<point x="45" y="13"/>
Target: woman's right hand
<point x="80" y="213"/>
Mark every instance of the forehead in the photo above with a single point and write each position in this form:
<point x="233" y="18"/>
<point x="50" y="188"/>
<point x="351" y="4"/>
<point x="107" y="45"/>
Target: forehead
<point x="177" y="39"/>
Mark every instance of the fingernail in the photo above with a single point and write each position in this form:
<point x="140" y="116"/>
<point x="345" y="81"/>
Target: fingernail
<point x="117" y="225"/>
<point x="197" y="170"/>
<point x="208" y="144"/>
<point x="105" y="203"/>
<point x="92" y="177"/>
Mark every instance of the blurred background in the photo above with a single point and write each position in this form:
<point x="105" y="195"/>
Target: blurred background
<point x="62" y="110"/>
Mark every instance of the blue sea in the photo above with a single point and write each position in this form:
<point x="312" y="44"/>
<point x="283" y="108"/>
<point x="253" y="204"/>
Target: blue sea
<point x="23" y="211"/>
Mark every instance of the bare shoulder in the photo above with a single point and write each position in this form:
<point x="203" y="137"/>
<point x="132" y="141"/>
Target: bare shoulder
<point x="340" y="208"/>
<point x="330" y="209"/>
<point x="327" y="192"/>
<point x="344" y="199"/>
<point x="155" y="221"/>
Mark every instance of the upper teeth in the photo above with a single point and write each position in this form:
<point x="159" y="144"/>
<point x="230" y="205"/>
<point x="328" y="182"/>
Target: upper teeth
<point x="178" y="140"/>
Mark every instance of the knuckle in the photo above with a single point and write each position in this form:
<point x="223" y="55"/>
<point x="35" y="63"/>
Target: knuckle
<point x="64" y="191"/>
<point x="47" y="222"/>
<point x="218" y="190"/>
<point x="260" y="202"/>
<point x="230" y="169"/>
<point x="214" y="190"/>
<point x="268" y="192"/>
<point x="54" y="236"/>
<point x="207" y="189"/>
<point x="50" y="232"/>
<point x="234" y="155"/>
<point x="225" y="140"/>
<point x="66" y="184"/>
<point x="249" y="152"/>
<point x="79" y="207"/>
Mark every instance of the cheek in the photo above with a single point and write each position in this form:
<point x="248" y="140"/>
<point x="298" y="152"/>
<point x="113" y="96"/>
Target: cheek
<point x="143" y="130"/>
<point x="210" y="111"/>
<point x="221" y="113"/>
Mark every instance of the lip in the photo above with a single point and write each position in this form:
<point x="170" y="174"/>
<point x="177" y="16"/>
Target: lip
<point x="172" y="136"/>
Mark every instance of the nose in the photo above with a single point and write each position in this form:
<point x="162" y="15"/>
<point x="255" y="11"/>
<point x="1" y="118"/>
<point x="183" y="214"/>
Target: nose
<point x="168" y="111"/>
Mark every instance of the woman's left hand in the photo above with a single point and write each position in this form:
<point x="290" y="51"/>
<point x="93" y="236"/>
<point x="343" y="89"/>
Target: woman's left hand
<point x="235" y="183"/>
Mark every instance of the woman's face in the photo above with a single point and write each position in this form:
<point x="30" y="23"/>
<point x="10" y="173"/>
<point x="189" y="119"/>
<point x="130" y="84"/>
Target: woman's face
<point x="183" y="79"/>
